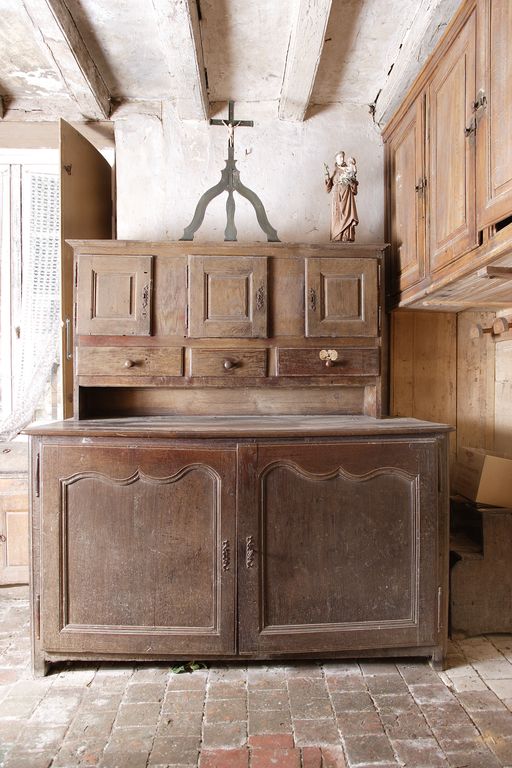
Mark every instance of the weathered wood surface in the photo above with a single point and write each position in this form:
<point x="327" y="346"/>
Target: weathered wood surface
<point x="187" y="513"/>
<point x="86" y="210"/>
<point x="14" y="554"/>
<point x="424" y="366"/>
<point x="481" y="584"/>
<point x="238" y="307"/>
<point x="61" y="41"/>
<point x="130" y="361"/>
<point x="494" y="115"/>
<point x="475" y="385"/>
<point x="178" y="26"/>
<point x="240" y="426"/>
<point x="303" y="58"/>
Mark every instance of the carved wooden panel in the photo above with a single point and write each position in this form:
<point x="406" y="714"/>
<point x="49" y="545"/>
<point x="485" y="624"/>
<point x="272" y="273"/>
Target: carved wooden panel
<point x="341" y="547"/>
<point x="407" y="194"/>
<point x="144" y="538"/>
<point x="452" y="205"/>
<point x="341" y="297"/>
<point x="493" y="111"/>
<point x="114" y="295"/>
<point x="228" y="296"/>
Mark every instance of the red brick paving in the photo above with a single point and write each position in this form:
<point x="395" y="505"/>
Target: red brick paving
<point x="305" y="715"/>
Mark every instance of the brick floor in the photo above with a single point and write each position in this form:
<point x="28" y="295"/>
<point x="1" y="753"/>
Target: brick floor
<point x="373" y="714"/>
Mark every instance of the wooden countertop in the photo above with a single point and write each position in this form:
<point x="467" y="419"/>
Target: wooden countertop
<point x="238" y="427"/>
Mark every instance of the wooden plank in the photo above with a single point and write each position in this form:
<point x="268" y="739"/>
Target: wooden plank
<point x="178" y="25"/>
<point x="475" y="396"/>
<point x="304" y="52"/>
<point x="197" y="425"/>
<point x="86" y="211"/>
<point x="61" y="41"/>
<point x="503" y="399"/>
<point x="423" y="366"/>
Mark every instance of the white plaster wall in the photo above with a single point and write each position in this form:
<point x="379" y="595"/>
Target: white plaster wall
<point x="164" y="166"/>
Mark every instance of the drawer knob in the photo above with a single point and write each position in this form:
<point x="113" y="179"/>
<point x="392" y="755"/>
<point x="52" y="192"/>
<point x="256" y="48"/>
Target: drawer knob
<point x="228" y="364"/>
<point x="128" y="363"/>
<point x="329" y="356"/>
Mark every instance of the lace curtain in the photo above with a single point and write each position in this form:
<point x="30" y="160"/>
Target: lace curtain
<point x="39" y="327"/>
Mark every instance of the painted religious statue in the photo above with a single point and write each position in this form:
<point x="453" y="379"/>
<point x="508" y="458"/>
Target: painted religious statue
<point x="343" y="185"/>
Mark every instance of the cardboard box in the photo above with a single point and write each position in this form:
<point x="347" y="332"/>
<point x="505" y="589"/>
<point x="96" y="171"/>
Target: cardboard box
<point x="483" y="478"/>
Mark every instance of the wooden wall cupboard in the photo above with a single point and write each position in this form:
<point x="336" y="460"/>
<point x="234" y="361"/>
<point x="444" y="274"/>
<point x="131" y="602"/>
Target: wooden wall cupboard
<point x="230" y="537"/>
<point x="449" y="169"/>
<point x="169" y="328"/>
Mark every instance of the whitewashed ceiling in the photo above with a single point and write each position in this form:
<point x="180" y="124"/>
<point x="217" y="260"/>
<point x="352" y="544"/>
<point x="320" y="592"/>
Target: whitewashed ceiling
<point x="88" y="58"/>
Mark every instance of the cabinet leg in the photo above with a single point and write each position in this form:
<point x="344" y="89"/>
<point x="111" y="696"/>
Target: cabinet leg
<point x="40" y="667"/>
<point x="438" y="659"/>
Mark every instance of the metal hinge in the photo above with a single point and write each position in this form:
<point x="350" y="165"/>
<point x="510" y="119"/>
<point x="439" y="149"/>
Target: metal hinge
<point x="37" y="617"/>
<point x="37" y="476"/>
<point x="439" y="608"/>
<point x="379" y="320"/>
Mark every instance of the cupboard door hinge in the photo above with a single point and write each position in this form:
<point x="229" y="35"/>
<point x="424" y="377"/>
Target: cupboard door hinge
<point x="379" y="274"/>
<point x="226" y="555"/>
<point x="379" y="319"/>
<point x="37" y="617"/>
<point x="37" y="478"/>
<point x="439" y="608"/>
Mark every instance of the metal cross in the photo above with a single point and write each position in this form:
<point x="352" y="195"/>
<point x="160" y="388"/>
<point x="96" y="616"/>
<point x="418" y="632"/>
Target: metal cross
<point x="230" y="124"/>
<point x="230" y="182"/>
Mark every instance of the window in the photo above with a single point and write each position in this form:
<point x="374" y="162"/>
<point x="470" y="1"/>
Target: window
<point x="29" y="289"/>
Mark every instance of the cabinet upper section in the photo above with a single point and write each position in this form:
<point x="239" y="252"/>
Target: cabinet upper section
<point x="234" y="329"/>
<point x="230" y="292"/>
<point x="449" y="168"/>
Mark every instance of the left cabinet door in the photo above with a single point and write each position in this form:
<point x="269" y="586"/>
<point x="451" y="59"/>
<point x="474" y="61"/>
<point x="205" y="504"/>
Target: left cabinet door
<point x="114" y="295"/>
<point x="137" y="549"/>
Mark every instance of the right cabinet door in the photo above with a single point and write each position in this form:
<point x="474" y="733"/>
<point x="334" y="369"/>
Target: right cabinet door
<point x="493" y="111"/>
<point x="451" y="194"/>
<point x="342" y="297"/>
<point x="338" y="546"/>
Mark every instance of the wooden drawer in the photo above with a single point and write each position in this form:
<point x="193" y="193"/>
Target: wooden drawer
<point x="229" y="362"/>
<point x="130" y="361"/>
<point x="316" y="362"/>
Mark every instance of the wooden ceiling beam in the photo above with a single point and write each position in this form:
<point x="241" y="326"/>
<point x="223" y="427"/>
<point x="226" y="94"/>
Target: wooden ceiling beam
<point x="179" y="28"/>
<point x="60" y="39"/>
<point x="304" y="52"/>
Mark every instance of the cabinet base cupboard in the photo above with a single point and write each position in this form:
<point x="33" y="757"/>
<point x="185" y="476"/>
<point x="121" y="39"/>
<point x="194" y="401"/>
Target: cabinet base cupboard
<point x="238" y="537"/>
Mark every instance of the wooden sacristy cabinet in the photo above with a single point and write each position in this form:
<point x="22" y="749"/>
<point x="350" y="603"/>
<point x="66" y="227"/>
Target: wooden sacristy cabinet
<point x="225" y="537"/>
<point x="226" y="489"/>
<point x="449" y="169"/>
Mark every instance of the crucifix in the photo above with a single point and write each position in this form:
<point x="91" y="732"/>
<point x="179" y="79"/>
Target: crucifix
<point x="230" y="182"/>
<point x="230" y="124"/>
